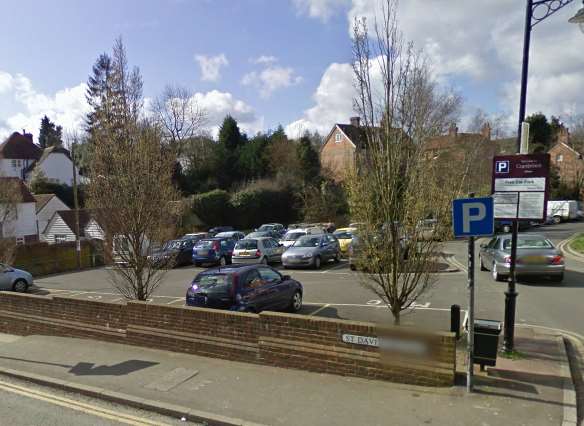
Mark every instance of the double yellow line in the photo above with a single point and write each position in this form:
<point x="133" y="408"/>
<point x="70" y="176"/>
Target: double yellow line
<point x="78" y="406"/>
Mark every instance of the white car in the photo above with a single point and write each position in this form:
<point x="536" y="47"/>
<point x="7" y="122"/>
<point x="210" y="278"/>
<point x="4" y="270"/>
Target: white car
<point x="14" y="279"/>
<point x="291" y="236"/>
<point x="257" y="250"/>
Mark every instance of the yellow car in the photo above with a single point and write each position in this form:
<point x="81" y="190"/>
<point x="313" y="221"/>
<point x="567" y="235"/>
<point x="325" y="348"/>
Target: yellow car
<point x="344" y="235"/>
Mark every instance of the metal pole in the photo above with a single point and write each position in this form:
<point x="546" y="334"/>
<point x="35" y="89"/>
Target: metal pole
<point x="76" y="205"/>
<point x="470" y="325"/>
<point x="511" y="293"/>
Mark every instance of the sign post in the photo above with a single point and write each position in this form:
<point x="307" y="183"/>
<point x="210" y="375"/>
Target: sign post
<point x="520" y="188"/>
<point x="472" y="217"/>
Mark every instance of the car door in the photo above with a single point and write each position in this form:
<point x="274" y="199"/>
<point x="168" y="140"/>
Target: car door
<point x="275" y="288"/>
<point x="5" y="277"/>
<point x="488" y="255"/>
<point x="278" y="250"/>
<point x="254" y="291"/>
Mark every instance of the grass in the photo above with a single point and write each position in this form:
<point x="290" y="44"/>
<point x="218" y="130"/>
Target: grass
<point x="577" y="244"/>
<point x="513" y="355"/>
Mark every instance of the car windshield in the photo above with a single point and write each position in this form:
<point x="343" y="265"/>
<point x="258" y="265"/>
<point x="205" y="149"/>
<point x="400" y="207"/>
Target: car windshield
<point x="529" y="243"/>
<point x="246" y="245"/>
<point x="267" y="228"/>
<point x="204" y="244"/>
<point x="343" y="235"/>
<point x="224" y="234"/>
<point x="213" y="282"/>
<point x="307" y="241"/>
<point x="293" y="236"/>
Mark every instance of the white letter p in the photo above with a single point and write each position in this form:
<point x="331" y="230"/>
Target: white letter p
<point x="480" y="213"/>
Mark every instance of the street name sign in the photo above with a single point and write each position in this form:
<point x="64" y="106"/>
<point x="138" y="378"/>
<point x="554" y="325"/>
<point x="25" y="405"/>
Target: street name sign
<point x="473" y="217"/>
<point x="520" y="186"/>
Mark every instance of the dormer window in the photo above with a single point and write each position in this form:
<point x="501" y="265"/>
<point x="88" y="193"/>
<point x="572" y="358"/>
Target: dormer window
<point x="559" y="158"/>
<point x="337" y="137"/>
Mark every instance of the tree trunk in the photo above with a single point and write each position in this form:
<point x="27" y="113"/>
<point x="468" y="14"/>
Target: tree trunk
<point x="396" y="317"/>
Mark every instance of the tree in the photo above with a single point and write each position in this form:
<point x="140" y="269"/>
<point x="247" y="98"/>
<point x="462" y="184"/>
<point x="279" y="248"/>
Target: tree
<point x="131" y="191"/>
<point x="227" y="153"/>
<point x="540" y="133"/>
<point x="394" y="186"/>
<point x="99" y="94"/>
<point x="10" y="196"/>
<point x="309" y="161"/>
<point x="253" y="159"/>
<point x="179" y="115"/>
<point x="50" y="134"/>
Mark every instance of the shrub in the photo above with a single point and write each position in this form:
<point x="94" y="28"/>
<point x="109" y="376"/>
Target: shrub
<point x="213" y="208"/>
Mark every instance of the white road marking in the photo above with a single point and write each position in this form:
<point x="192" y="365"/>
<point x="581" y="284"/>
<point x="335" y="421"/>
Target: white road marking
<point x="178" y="299"/>
<point x="319" y="309"/>
<point x="374" y="302"/>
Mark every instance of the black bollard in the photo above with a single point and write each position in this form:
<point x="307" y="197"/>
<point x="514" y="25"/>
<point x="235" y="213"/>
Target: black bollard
<point x="455" y="320"/>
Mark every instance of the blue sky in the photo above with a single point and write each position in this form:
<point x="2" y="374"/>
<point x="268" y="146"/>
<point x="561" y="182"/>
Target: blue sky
<point x="303" y="79"/>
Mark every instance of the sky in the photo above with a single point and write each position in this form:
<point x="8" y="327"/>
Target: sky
<point x="271" y="62"/>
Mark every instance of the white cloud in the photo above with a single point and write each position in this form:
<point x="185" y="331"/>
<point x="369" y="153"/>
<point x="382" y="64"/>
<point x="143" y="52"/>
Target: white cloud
<point x="67" y="107"/>
<point x="333" y="102"/>
<point x="265" y="60"/>
<point x="211" y="66"/>
<point x="218" y="104"/>
<point x="271" y="79"/>
<point x="321" y="9"/>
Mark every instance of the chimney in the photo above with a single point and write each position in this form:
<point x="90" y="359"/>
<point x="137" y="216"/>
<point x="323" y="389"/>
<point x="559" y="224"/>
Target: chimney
<point x="356" y="121"/>
<point x="564" y="135"/>
<point x="486" y="131"/>
<point x="453" y="130"/>
<point x="27" y="135"/>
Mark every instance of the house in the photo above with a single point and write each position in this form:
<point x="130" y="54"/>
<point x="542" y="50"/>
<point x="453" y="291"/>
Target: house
<point x="46" y="206"/>
<point x="569" y="164"/>
<point x="337" y="154"/>
<point x="61" y="227"/>
<point x="21" y="222"/>
<point x="20" y="157"/>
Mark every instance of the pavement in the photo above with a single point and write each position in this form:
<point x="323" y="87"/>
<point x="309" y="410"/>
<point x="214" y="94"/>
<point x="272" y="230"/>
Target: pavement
<point x="527" y="391"/>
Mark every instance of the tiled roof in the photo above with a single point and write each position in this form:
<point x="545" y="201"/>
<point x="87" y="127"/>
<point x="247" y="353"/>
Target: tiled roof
<point x="19" y="147"/>
<point x="26" y="196"/>
<point x="355" y="134"/>
<point x="68" y="217"/>
<point x="42" y="200"/>
<point x="45" y="154"/>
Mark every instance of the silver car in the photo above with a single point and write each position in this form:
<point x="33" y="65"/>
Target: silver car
<point x="312" y="251"/>
<point x="14" y="279"/>
<point x="257" y="250"/>
<point x="536" y="257"/>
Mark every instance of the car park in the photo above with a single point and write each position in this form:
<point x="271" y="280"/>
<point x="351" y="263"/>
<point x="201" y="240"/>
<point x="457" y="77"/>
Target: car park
<point x="258" y="250"/>
<point x="174" y="253"/>
<point x="536" y="257"/>
<point x="263" y="234"/>
<point x="247" y="288"/>
<point x="234" y="235"/>
<point x="217" y="229"/>
<point x="312" y="251"/>
<point x="355" y="247"/>
<point x="214" y="251"/>
<point x="14" y="279"/>
<point x="292" y="235"/>
<point x="345" y="236"/>
<point x="277" y="227"/>
<point x="196" y="235"/>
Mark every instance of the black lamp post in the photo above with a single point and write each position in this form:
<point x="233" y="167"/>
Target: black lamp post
<point x="536" y="11"/>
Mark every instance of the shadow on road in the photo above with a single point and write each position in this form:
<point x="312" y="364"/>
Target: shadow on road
<point x="572" y="279"/>
<point x="121" y="369"/>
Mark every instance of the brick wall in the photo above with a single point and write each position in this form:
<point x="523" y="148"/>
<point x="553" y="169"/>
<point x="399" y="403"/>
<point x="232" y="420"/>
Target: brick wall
<point x="277" y="339"/>
<point x="337" y="157"/>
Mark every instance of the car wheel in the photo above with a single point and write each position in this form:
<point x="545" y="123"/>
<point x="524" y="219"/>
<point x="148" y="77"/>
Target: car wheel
<point x="352" y="267"/>
<point x="507" y="229"/>
<point x="296" y="302"/>
<point x="481" y="263"/>
<point x="264" y="261"/>
<point x="317" y="262"/>
<point x="222" y="261"/>
<point x="20" y="286"/>
<point x="496" y="275"/>
<point x="557" y="278"/>
<point x="557" y="220"/>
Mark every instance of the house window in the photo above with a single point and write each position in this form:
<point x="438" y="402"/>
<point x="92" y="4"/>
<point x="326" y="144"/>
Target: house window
<point x="60" y="238"/>
<point x="559" y="158"/>
<point x="16" y="164"/>
<point x="337" y="137"/>
<point x="20" y="241"/>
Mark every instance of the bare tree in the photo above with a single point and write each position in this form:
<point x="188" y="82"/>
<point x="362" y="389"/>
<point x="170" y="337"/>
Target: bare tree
<point x="179" y="115"/>
<point x="395" y="187"/>
<point x="130" y="190"/>
<point x="10" y="196"/>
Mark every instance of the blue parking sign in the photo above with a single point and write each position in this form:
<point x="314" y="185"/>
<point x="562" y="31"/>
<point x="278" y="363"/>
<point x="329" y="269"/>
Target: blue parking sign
<point x="473" y="217"/>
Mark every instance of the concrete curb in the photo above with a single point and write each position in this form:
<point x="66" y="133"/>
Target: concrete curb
<point x="170" y="410"/>
<point x="570" y="415"/>
<point x="455" y="266"/>
<point x="564" y="247"/>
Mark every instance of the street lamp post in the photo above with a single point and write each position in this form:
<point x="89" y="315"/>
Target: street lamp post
<point x="536" y="11"/>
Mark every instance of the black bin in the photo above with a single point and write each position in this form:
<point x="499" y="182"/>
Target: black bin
<point x="486" y="342"/>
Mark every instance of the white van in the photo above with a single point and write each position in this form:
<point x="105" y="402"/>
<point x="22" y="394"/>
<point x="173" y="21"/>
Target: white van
<point x="292" y="235"/>
<point x="562" y="211"/>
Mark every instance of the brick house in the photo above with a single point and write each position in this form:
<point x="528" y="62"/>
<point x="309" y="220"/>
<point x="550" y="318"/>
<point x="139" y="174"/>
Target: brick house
<point x="337" y="154"/>
<point x="569" y="164"/>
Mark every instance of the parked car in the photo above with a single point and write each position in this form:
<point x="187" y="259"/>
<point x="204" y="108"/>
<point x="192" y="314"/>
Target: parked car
<point x="234" y="235"/>
<point x="258" y="250"/>
<point x="196" y="235"/>
<point x="247" y="288"/>
<point x="506" y="226"/>
<point x="536" y="257"/>
<point x="277" y="227"/>
<point x="215" y="251"/>
<point x="14" y="279"/>
<point x="263" y="234"/>
<point x="214" y="231"/>
<point x="345" y="236"/>
<point x="175" y="253"/>
<point x="406" y="247"/>
<point x="312" y="251"/>
<point x="292" y="235"/>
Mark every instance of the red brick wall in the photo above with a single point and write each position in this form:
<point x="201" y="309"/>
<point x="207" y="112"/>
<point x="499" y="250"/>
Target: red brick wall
<point x="291" y="341"/>
<point x="337" y="157"/>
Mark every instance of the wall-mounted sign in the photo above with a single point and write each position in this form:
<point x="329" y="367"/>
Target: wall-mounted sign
<point x="389" y="344"/>
<point x="360" y="340"/>
<point x="520" y="186"/>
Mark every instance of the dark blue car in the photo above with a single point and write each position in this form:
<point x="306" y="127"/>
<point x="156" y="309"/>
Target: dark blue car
<point x="246" y="288"/>
<point x="214" y="251"/>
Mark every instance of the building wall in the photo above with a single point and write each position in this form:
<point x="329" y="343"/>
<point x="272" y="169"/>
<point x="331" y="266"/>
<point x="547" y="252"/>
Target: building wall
<point x="568" y="163"/>
<point x="44" y="216"/>
<point x="57" y="226"/>
<point x="338" y="156"/>
<point x="13" y="168"/>
<point x="93" y="231"/>
<point x="58" y="168"/>
<point x="23" y="224"/>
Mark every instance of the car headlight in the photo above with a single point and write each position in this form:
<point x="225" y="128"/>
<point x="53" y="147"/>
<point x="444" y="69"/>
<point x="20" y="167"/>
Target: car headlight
<point x="307" y="256"/>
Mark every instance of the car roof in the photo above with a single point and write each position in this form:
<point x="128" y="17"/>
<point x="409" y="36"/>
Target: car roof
<point x="229" y="269"/>
<point x="523" y="234"/>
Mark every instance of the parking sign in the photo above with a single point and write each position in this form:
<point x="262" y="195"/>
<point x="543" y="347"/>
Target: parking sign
<point x="473" y="217"/>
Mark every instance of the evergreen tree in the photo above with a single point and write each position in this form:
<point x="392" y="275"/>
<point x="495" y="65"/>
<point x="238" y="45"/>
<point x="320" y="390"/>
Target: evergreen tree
<point x="99" y="92"/>
<point x="227" y="153"/>
<point x="50" y="134"/>
<point x="540" y="132"/>
<point x="309" y="161"/>
<point x="229" y="134"/>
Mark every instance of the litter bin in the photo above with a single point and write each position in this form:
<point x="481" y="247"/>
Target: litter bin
<point x="486" y="342"/>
